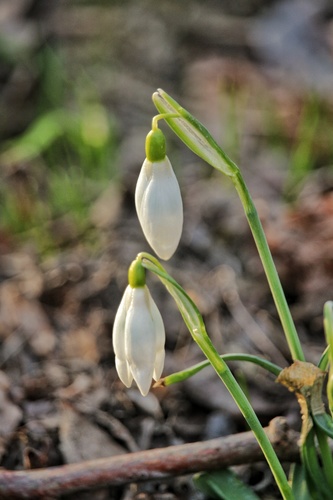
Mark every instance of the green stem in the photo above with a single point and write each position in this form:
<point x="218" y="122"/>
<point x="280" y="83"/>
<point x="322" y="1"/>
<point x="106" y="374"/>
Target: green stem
<point x="198" y="139"/>
<point x="192" y="370"/>
<point x="328" y="327"/>
<point x="162" y="116"/>
<point x="269" y="267"/>
<point x="245" y="407"/>
<point x="196" y="326"/>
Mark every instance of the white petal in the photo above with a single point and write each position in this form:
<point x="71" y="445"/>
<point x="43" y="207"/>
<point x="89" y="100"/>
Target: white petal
<point x="118" y="338"/>
<point x="159" y="207"/>
<point x="159" y="338"/>
<point x="158" y="323"/>
<point x="118" y="334"/>
<point x="159" y="364"/>
<point x="143" y="378"/>
<point x="144" y="178"/>
<point x="140" y="339"/>
<point x="124" y="372"/>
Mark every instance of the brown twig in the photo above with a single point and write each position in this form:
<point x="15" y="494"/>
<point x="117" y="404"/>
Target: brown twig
<point x="148" y="465"/>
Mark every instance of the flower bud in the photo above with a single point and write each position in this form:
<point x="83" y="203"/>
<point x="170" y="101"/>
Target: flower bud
<point x="158" y="200"/>
<point x="136" y="274"/>
<point x="155" y="145"/>
<point x="138" y="339"/>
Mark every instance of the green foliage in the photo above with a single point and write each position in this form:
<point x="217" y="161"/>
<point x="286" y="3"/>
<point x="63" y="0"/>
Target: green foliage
<point x="306" y="142"/>
<point x="299" y="482"/>
<point x="223" y="485"/>
<point x="303" y="155"/>
<point x="61" y="163"/>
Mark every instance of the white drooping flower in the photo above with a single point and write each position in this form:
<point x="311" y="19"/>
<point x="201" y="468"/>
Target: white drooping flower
<point x="138" y="339"/>
<point x="158" y="202"/>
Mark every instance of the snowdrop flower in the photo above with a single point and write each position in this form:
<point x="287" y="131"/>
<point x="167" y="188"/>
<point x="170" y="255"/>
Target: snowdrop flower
<point x="138" y="334"/>
<point x="158" y="200"/>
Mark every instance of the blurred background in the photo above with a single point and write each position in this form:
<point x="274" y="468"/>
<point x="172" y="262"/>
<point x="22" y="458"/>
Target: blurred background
<point x="76" y="79"/>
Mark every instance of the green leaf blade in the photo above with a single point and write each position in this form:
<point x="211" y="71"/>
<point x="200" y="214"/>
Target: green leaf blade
<point x="299" y="483"/>
<point x="194" y="134"/>
<point x="223" y="485"/>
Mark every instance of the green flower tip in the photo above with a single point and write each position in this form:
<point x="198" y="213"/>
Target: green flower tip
<point x="174" y="107"/>
<point x="155" y="145"/>
<point x="136" y="274"/>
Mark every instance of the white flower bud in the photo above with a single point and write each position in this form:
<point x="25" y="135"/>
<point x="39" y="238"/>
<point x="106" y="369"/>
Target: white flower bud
<point x="159" y="206"/>
<point x="138" y="339"/>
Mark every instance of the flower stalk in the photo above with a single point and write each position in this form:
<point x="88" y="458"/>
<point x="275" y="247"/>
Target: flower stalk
<point x="196" y="326"/>
<point x="199" y="140"/>
<point x="185" y="374"/>
<point x="138" y="329"/>
<point x="328" y="327"/>
<point x="269" y="267"/>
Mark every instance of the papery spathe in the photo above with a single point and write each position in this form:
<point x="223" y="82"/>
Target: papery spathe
<point x="159" y="206"/>
<point x="138" y="339"/>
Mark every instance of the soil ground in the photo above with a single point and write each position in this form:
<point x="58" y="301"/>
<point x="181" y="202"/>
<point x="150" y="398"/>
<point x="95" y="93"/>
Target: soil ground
<point x="61" y="399"/>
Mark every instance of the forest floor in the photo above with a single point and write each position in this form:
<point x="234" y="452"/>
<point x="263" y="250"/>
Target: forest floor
<point x="61" y="399"/>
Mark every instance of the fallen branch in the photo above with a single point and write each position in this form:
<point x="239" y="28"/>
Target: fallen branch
<point x="148" y="465"/>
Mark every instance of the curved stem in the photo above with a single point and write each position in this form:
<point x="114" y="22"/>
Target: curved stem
<point x="269" y="267"/>
<point x="196" y="326"/>
<point x="249" y="414"/>
<point x="199" y="140"/>
<point x="192" y="370"/>
<point x="162" y="116"/>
